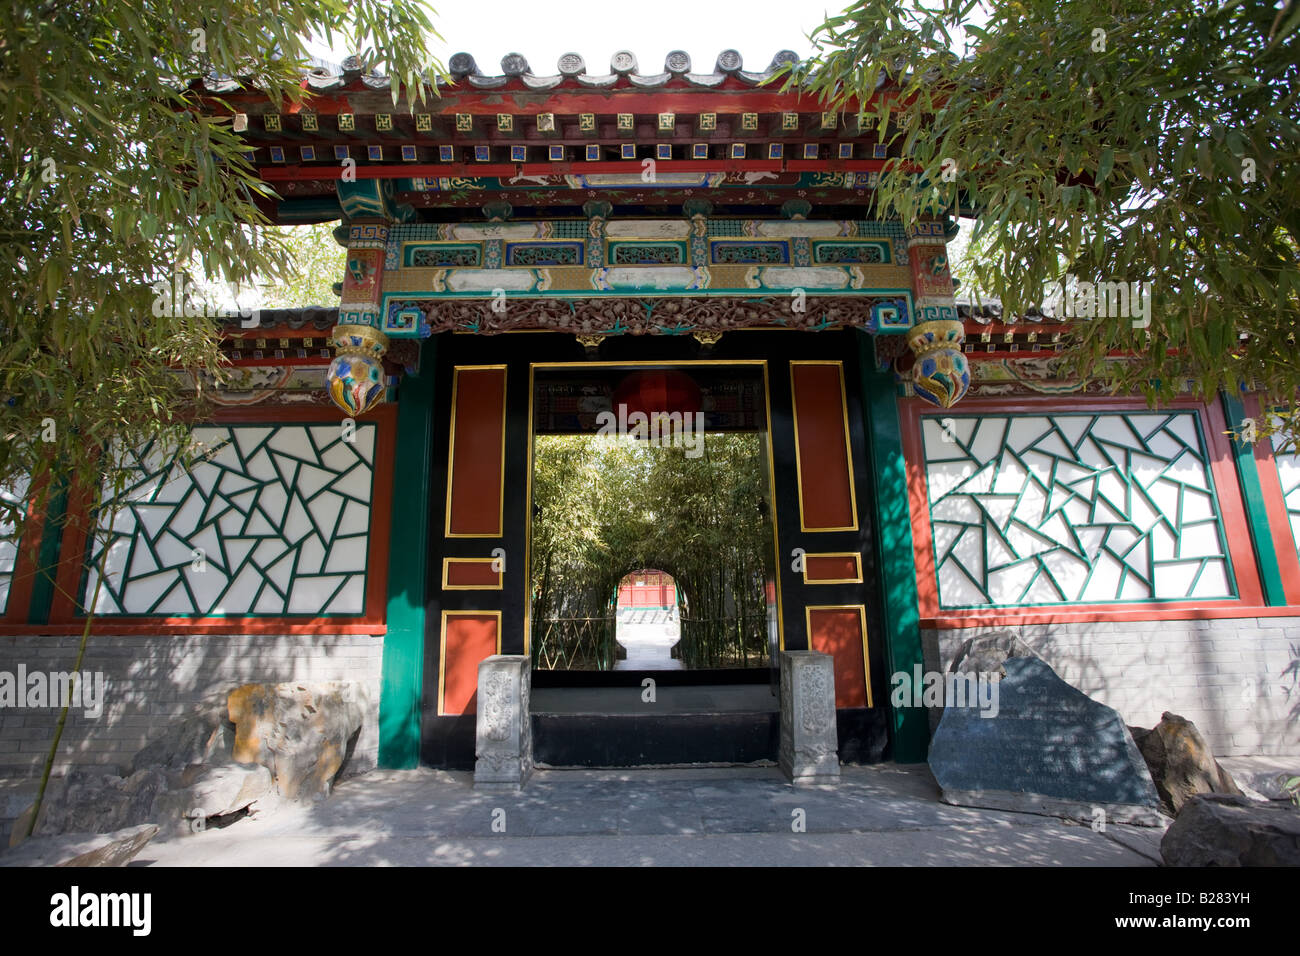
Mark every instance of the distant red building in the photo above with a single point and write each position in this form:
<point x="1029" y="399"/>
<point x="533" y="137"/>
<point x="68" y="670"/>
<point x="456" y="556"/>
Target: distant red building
<point x="647" y="588"/>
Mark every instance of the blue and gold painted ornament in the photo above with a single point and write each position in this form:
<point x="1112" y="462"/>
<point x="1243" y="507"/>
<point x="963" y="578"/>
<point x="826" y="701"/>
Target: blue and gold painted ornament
<point x="941" y="373"/>
<point x="356" y="376"/>
<point x="356" y="383"/>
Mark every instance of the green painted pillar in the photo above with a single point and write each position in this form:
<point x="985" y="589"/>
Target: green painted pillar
<point x="896" y="567"/>
<point x="1252" y="493"/>
<point x="403" y="666"/>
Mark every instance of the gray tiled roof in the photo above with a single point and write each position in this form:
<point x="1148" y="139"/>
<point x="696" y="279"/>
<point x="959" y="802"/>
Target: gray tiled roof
<point x="571" y="70"/>
<point x="622" y="64"/>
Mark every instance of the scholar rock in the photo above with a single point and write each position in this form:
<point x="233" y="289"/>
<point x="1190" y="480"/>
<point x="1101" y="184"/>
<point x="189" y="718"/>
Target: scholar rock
<point x="202" y="737"/>
<point x="300" y="731"/>
<point x="91" y="801"/>
<point x="216" y="792"/>
<point x="1181" y="763"/>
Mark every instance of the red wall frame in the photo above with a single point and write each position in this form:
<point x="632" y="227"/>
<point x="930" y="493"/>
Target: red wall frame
<point x="1279" y="524"/>
<point x="1249" y="603"/>
<point x="23" y="579"/>
<point x="64" y="618"/>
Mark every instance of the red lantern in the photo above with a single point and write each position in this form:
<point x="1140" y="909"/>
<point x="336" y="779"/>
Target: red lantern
<point x="656" y="391"/>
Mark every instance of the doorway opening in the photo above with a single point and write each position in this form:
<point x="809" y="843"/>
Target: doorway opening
<point x="648" y="622"/>
<point x="651" y="543"/>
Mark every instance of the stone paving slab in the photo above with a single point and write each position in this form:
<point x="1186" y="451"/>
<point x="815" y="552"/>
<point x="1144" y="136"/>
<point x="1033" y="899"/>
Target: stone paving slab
<point x="881" y="815"/>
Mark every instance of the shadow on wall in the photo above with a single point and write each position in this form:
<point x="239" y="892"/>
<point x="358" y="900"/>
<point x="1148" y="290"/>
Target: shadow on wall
<point x="1291" y="683"/>
<point x="151" y="680"/>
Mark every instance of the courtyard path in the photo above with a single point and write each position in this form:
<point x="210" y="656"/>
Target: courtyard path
<point x="880" y="815"/>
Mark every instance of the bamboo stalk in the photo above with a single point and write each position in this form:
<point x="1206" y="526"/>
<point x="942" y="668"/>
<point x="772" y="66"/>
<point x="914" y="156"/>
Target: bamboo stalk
<point x="76" y="675"/>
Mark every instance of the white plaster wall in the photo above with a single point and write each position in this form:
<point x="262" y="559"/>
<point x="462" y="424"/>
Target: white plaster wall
<point x="151" y="680"/>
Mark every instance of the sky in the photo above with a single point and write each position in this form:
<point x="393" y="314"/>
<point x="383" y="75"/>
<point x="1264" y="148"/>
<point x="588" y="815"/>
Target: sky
<point x="490" y="29"/>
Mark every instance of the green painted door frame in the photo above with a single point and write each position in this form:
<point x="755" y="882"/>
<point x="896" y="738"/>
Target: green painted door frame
<point x="399" y="704"/>
<point x="896" y="565"/>
<point x="1252" y="493"/>
<point x="403" y="664"/>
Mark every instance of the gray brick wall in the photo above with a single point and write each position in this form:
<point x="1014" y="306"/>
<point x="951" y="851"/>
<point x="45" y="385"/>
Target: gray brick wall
<point x="151" y="679"/>
<point x="1238" y="680"/>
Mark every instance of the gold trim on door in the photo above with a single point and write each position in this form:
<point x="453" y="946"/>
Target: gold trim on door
<point x="848" y="446"/>
<point x="862" y="634"/>
<point x="857" y="561"/>
<point x="451" y="450"/>
<point x="446" y="565"/>
<point x="442" y="649"/>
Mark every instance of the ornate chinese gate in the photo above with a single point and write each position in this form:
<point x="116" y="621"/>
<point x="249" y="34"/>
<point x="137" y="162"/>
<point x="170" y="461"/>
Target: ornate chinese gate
<point x="813" y="418"/>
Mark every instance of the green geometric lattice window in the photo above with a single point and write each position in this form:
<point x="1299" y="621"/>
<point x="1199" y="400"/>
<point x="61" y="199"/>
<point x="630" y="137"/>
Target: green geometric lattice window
<point x="1288" y="475"/>
<point x="1073" y="508"/>
<point x="274" y="522"/>
<point x="9" y="544"/>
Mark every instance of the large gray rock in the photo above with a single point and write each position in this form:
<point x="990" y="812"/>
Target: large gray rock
<point x="216" y="792"/>
<point x="228" y="788"/>
<point x="204" y="736"/>
<point x="1181" y="763"/>
<point x="82" y="849"/>
<point x="292" y="739"/>
<point x="300" y="731"/>
<point x="184" y="772"/>
<point x="1226" y="830"/>
<point x="94" y="802"/>
<point x="988" y="653"/>
<point x="91" y="801"/>
<point x="1049" y="749"/>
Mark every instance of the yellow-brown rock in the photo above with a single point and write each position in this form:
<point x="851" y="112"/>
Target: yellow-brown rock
<point x="1181" y="763"/>
<point x="299" y="731"/>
